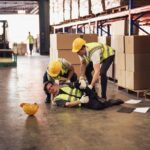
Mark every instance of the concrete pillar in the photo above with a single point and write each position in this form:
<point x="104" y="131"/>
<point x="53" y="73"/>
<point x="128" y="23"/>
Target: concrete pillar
<point x="44" y="26"/>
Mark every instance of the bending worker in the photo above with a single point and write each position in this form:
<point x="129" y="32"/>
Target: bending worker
<point x="73" y="95"/>
<point x="61" y="70"/>
<point x="91" y="56"/>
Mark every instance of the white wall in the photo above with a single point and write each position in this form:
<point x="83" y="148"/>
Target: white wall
<point x="20" y="25"/>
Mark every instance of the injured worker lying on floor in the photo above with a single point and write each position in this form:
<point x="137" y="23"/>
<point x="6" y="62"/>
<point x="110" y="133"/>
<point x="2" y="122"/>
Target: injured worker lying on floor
<point x="78" y="94"/>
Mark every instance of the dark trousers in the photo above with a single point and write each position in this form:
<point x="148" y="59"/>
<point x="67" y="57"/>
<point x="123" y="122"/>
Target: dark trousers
<point x="45" y="79"/>
<point x="103" y="73"/>
<point x="30" y="47"/>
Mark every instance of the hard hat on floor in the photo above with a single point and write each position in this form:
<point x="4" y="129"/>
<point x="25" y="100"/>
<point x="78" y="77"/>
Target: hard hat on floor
<point x="30" y="109"/>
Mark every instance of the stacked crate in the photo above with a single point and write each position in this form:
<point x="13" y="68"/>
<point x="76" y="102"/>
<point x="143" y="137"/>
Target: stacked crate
<point x="118" y="43"/>
<point x="21" y="48"/>
<point x="61" y="47"/>
<point x="137" y="49"/>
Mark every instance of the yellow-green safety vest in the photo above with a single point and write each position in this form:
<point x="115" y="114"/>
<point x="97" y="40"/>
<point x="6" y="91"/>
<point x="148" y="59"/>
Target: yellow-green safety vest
<point x="63" y="71"/>
<point x="106" y="50"/>
<point x="30" y="38"/>
<point x="69" y="95"/>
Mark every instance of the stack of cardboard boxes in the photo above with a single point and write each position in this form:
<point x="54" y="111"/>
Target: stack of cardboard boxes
<point x="132" y="61"/>
<point x="137" y="49"/>
<point x="61" y="47"/>
<point x="21" y="48"/>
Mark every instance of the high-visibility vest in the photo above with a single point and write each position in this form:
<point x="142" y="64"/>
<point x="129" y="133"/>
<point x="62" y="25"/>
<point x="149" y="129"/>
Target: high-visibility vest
<point x="106" y="50"/>
<point x="69" y="94"/>
<point x="30" y="38"/>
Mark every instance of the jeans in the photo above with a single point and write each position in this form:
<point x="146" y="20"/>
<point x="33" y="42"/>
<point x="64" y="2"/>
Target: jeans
<point x="103" y="74"/>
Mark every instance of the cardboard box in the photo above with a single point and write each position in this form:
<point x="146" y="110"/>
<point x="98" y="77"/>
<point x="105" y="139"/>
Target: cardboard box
<point x="119" y="27"/>
<point x="120" y="61"/>
<point x="105" y="40"/>
<point x="138" y="62"/>
<point x="118" y="43"/>
<point x="137" y="44"/>
<point x="138" y="80"/>
<point x="73" y="58"/>
<point x="62" y="41"/>
<point x="90" y="37"/>
<point x="53" y="54"/>
<point x="121" y="75"/>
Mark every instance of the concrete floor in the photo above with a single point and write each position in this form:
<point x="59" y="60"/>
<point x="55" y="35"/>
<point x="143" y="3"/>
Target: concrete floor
<point x="61" y="128"/>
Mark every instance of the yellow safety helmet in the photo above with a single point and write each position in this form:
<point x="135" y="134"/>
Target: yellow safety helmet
<point x="77" y="44"/>
<point x="54" y="68"/>
<point x="30" y="109"/>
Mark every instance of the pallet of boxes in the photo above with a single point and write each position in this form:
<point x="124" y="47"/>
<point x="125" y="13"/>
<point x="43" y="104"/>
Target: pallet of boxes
<point x="21" y="49"/>
<point x="133" y="63"/>
<point x="61" y="47"/>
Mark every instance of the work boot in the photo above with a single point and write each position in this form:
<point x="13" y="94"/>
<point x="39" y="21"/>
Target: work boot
<point x="115" y="101"/>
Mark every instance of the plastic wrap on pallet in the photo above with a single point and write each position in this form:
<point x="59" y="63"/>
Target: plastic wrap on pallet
<point x="75" y="9"/>
<point x="56" y="11"/>
<point x="51" y="6"/>
<point x="84" y="8"/>
<point x="112" y="3"/>
<point x="97" y="6"/>
<point x="67" y="8"/>
<point x="117" y="3"/>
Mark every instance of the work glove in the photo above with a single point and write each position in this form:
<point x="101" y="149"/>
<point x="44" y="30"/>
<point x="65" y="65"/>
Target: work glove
<point x="83" y="84"/>
<point x="67" y="81"/>
<point x="90" y="86"/>
<point x="84" y="99"/>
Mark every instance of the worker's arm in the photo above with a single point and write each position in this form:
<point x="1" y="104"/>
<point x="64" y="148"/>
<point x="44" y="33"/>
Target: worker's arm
<point x="71" y="72"/>
<point x="96" y="74"/>
<point x="72" y="104"/>
<point x="82" y="68"/>
<point x="63" y="103"/>
<point x="84" y="99"/>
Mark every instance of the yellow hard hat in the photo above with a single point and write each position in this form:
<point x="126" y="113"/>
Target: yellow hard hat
<point x="30" y="109"/>
<point x="54" y="68"/>
<point x="77" y="44"/>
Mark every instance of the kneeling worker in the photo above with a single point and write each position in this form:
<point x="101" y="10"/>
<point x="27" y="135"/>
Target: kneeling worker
<point x="91" y="56"/>
<point x="73" y="95"/>
<point x="61" y="70"/>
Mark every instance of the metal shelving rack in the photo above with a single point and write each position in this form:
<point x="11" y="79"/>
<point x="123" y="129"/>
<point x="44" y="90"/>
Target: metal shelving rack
<point x="133" y="15"/>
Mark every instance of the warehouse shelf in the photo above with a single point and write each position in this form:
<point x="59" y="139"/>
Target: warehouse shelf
<point x="130" y="14"/>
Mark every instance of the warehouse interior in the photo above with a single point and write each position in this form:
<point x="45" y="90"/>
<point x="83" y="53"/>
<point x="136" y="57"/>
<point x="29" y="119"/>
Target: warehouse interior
<point x="124" y="25"/>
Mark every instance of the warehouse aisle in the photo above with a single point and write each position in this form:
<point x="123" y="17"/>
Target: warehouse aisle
<point x="60" y="128"/>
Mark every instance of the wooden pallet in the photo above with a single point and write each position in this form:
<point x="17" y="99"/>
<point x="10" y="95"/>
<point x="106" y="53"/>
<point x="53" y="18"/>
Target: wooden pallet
<point x="116" y="9"/>
<point x="147" y="95"/>
<point x="119" y="9"/>
<point x="137" y="93"/>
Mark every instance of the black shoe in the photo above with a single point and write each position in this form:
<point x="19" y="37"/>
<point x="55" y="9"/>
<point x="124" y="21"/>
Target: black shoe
<point x="47" y="100"/>
<point x="116" y="101"/>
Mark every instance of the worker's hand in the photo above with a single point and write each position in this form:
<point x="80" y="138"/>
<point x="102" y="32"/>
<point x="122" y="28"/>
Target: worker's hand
<point x="90" y="86"/>
<point x="82" y="78"/>
<point x="84" y="99"/>
<point x="67" y="81"/>
<point x="83" y="84"/>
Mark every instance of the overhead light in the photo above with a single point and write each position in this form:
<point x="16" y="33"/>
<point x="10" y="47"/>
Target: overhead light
<point x="21" y="11"/>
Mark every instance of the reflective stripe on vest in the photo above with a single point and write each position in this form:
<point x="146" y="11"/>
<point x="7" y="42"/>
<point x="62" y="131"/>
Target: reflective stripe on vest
<point x="72" y="94"/>
<point x="106" y="51"/>
<point x="65" y="97"/>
